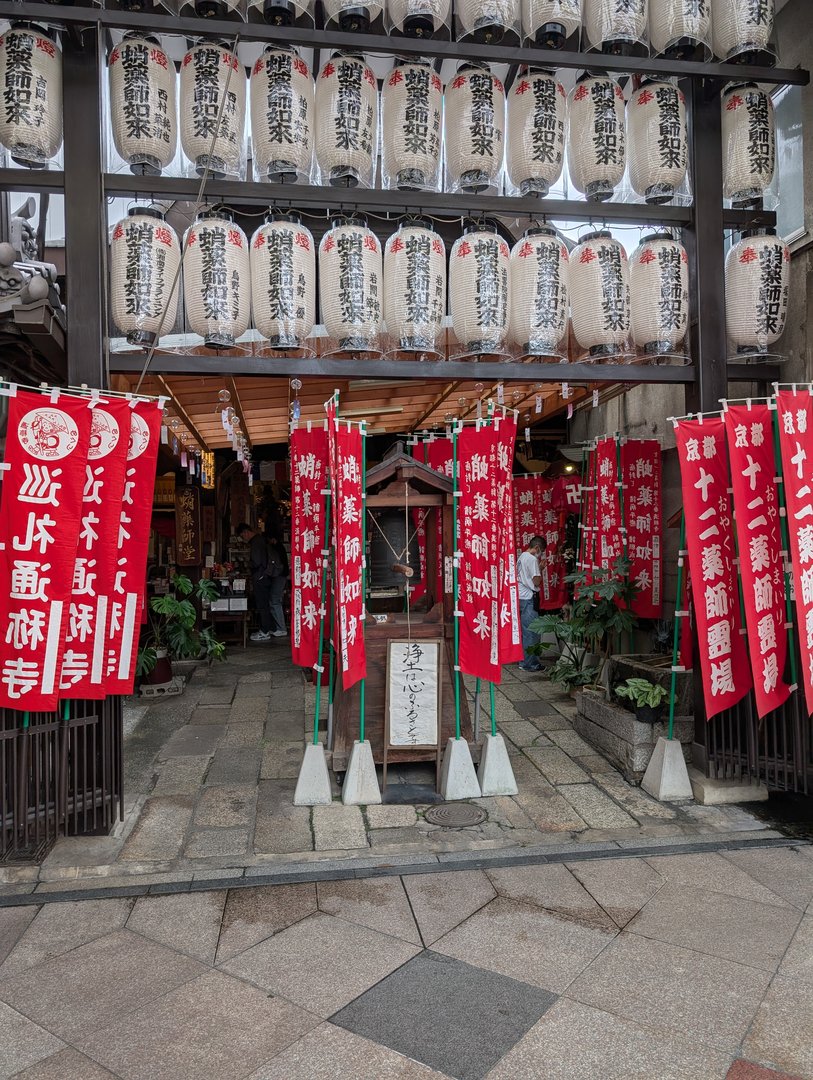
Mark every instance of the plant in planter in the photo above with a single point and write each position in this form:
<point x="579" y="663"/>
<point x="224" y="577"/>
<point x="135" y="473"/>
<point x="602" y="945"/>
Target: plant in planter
<point x="646" y="697"/>
<point x="173" y="631"/>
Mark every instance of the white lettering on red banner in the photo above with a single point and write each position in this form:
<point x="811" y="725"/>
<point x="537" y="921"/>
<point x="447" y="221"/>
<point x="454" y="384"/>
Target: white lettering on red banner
<point x="609" y="537"/>
<point x="345" y="453"/>
<point x="309" y="466"/>
<point x="641" y="491"/>
<point x="511" y="650"/>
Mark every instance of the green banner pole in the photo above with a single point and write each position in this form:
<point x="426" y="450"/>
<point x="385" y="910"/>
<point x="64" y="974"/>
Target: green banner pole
<point x="493" y="709"/>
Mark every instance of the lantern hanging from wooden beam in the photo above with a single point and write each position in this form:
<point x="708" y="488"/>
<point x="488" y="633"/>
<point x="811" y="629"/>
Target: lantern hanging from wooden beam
<point x="351" y="16"/>
<point x="596" y="140"/>
<point x="412" y="127"/>
<point x="681" y="29"/>
<point x="211" y="72"/>
<point x="539" y="290"/>
<point x="749" y="143"/>
<point x="284" y="12"/>
<point x="616" y="27"/>
<point x="742" y="31"/>
<point x="144" y="258"/>
<point x="658" y="140"/>
<point x="283" y="281"/>
<point x="418" y="18"/>
<point x="757" y="280"/>
<point x="217" y="279"/>
<point x="478" y="290"/>
<point x="486" y="21"/>
<point x="535" y="152"/>
<point x="415" y="288"/>
<point x="659" y="289"/>
<point x="350" y="285"/>
<point x="474" y="129"/>
<point x="550" y="23"/>
<point x="31" y="106"/>
<point x="600" y="297"/>
<point x="282" y="116"/>
<point x="143" y="104"/>
<point x="214" y="9"/>
<point x="347" y="121"/>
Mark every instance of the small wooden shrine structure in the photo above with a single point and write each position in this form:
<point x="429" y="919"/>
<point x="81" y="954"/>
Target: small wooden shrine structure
<point x="401" y="482"/>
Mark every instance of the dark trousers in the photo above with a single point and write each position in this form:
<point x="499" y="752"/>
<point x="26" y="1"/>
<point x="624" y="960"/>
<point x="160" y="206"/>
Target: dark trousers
<point x="262" y="602"/>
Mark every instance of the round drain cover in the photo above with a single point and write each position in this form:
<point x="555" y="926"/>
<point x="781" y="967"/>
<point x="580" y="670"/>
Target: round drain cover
<point x="455" y="815"/>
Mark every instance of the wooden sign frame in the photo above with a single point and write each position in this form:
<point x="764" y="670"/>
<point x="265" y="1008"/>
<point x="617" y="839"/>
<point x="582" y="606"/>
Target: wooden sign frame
<point x="436" y="644"/>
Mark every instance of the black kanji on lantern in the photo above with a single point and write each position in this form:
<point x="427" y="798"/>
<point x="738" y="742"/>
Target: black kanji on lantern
<point x="483" y="130"/>
<point x="773" y="292"/>
<point x="347" y="114"/>
<point x="671" y="145"/>
<point x="214" y="275"/>
<point x="547" y="129"/>
<point x="670" y="300"/>
<point x="613" y="298"/>
<point x="760" y="140"/>
<point x="607" y="140"/>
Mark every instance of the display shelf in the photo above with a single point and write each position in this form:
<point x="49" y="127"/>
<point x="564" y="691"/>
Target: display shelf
<point x="33" y="180"/>
<point x="382" y="43"/>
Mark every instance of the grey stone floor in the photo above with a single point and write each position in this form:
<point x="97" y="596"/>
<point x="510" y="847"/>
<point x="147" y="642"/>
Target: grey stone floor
<point x="210" y="775"/>
<point x="681" y="967"/>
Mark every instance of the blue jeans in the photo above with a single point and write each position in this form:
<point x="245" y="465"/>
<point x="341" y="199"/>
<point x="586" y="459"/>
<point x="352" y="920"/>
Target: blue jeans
<point x="527" y="614"/>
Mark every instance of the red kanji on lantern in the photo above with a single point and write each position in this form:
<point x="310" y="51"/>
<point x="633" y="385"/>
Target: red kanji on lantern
<point x="523" y="87"/>
<point x="458" y="82"/>
<point x="647" y="257"/>
<point x="300" y="66"/>
<point x="259" y="241"/>
<point x="187" y="59"/>
<point x="504" y="250"/>
<point x="235" y="238"/>
<point x="645" y="98"/>
<point x="368" y="75"/>
<point x="525" y="250"/>
<point x="684" y="258"/>
<point x="329" y="244"/>
<point x="113" y="56"/>
<point x="46" y="46"/>
<point x="581" y="93"/>
<point x="396" y="77"/>
<point x="682" y="97"/>
<point x="786" y="255"/>
<point x="733" y="103"/>
<point x="328" y="70"/>
<point x="163" y="235"/>
<point x="229" y="60"/>
<point x="587" y="256"/>
<point x="619" y="93"/>
<point x="259" y="66"/>
<point x="560" y="90"/>
<point x="301" y="240"/>
<point x="118" y="232"/>
<point x="565" y="254"/>
<point x="748" y="255"/>
<point x="464" y="249"/>
<point x="370" y="243"/>
<point x="498" y="86"/>
<point x="190" y="240"/>
<point x="396" y="246"/>
<point x="437" y="246"/>
<point x="159" y="57"/>
<point x="436" y="83"/>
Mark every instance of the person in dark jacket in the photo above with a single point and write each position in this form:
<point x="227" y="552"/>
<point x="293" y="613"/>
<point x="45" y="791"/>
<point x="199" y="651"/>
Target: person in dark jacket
<point x="278" y="557"/>
<point x="260" y="579"/>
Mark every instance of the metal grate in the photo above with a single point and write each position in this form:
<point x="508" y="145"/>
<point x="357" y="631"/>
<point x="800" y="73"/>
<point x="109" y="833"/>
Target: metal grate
<point x="455" y="815"/>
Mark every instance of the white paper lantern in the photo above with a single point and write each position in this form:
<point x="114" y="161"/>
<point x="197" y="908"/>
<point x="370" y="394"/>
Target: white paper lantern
<point x="474" y="128"/>
<point x="749" y="143"/>
<point x="478" y="290"/>
<point x="350" y="284"/>
<point x="680" y="29"/>
<point x="596" y="140"/>
<point x="31" y="94"/>
<point x="347" y="121"/>
<point x="617" y="27"/>
<point x="659" y="288"/>
<point x="284" y="12"/>
<point x="415" y="287"/>
<point x="144" y="108"/>
<point x="535" y="153"/>
<point x="282" y="116"/>
<point x="539" y="290"/>
<point x="658" y="140"/>
<point x="217" y="279"/>
<point x="549" y="23"/>
<point x="283" y="281"/>
<point x="742" y="30"/>
<point x="600" y="295"/>
<point x="351" y="16"/>
<point x="144" y="257"/>
<point x="418" y="18"/>
<point x="412" y="127"/>
<point x="209" y="71"/>
<point x="757" y="278"/>
<point x="486" y="21"/>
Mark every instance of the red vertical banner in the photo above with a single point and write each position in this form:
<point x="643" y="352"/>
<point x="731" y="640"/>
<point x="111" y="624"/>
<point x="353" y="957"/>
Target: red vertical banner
<point x="756" y="520"/>
<point x="132" y="539"/>
<point x="795" y="415"/>
<point x="527" y="506"/>
<point x="440" y="457"/>
<point x="609" y="537"/>
<point x="511" y="650"/>
<point x="551" y="527"/>
<point x="84" y="661"/>
<point x="701" y="447"/>
<point x="420" y="516"/>
<point x="346" y="448"/>
<point x="587" y="519"/>
<point x="40" y="518"/>
<point x="309" y="469"/>
<point x="478" y="539"/>
<point x="643" y="514"/>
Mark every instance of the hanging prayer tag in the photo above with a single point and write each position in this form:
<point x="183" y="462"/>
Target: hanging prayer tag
<point x="538" y="407"/>
<point x="500" y="394"/>
<point x="570" y="411"/>
<point x="565" y="391"/>
<point x="595" y="399"/>
<point x="527" y="434"/>
<point x="183" y="459"/>
<point x="164" y="436"/>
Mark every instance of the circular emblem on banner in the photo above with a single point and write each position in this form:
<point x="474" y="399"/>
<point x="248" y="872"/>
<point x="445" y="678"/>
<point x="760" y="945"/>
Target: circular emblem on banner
<point x="104" y="435"/>
<point x="48" y="434"/>
<point x="139" y="437"/>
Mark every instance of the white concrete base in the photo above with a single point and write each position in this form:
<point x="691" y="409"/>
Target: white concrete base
<point x="495" y="773"/>
<point x="313" y="784"/>
<point x="360" y="787"/>
<point x="710" y="792"/>
<point x="458" y="780"/>
<point x="667" y="778"/>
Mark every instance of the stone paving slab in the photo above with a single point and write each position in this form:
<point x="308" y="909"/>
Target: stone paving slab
<point x="160" y="830"/>
<point x="23" y="1042"/>
<point x="187" y="922"/>
<point x="60" y="928"/>
<point x="780" y="1033"/>
<point x="68" y="1064"/>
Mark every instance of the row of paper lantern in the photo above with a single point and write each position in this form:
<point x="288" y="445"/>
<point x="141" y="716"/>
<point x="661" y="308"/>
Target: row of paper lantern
<point x="526" y="297"/>
<point x="678" y="29"/>
<point x="337" y="123"/>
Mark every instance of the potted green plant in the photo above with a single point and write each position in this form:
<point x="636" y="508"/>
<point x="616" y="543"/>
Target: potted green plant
<point x="174" y="631"/>
<point x="646" y="697"/>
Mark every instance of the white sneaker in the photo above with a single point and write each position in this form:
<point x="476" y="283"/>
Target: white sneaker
<point x="260" y="635"/>
<point x="279" y="633"/>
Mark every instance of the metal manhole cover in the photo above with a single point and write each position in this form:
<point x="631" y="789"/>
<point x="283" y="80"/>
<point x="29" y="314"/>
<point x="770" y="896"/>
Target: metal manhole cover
<point x="455" y="815"/>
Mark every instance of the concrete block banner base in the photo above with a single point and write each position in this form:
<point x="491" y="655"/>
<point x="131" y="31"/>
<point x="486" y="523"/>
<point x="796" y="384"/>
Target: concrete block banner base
<point x="360" y="786"/>
<point x="313" y="784"/>
<point x="458" y="780"/>
<point x="667" y="778"/>
<point x="495" y="773"/>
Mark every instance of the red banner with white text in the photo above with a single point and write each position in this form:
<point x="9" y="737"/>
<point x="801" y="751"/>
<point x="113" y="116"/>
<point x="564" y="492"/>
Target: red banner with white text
<point x="724" y="666"/>
<point x="527" y="507"/>
<point x="511" y="650"/>
<point x="132" y="540"/>
<point x="795" y="416"/>
<point x="309" y="467"/>
<point x="40" y="518"/>
<point x="552" y="587"/>
<point x="346" y="447"/>
<point x="643" y="514"/>
<point x="610" y="537"/>
<point x="440" y="457"/>
<point x="84" y="662"/>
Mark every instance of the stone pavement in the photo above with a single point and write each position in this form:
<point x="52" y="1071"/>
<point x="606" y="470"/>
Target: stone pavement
<point x="681" y="967"/>
<point x="210" y="776"/>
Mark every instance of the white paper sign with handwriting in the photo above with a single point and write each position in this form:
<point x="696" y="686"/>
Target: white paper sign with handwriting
<point x="413" y="692"/>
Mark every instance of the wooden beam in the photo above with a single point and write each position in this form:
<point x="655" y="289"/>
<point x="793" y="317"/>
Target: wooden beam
<point x="182" y="412"/>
